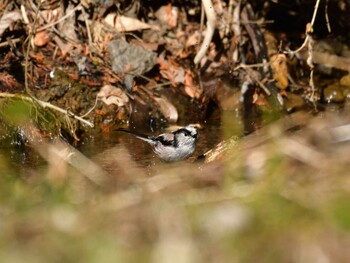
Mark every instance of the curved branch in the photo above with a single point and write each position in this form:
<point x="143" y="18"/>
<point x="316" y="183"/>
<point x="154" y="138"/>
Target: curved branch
<point x="211" y="20"/>
<point x="46" y="105"/>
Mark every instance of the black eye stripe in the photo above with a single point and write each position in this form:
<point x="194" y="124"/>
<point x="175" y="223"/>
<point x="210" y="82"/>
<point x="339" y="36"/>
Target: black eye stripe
<point x="186" y="132"/>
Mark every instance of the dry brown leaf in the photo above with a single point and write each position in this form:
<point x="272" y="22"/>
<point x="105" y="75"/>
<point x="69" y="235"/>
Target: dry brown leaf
<point x="64" y="47"/>
<point x="67" y="27"/>
<point x="51" y="15"/>
<point x="280" y="70"/>
<point x="7" y="19"/>
<point x="193" y="39"/>
<point x="168" y="15"/>
<point x="191" y="89"/>
<point x="167" y="109"/>
<point x="171" y="71"/>
<point x="113" y="95"/>
<point x="42" y="38"/>
<point x="126" y="24"/>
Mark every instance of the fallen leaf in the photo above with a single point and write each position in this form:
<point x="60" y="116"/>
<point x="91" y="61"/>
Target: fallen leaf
<point x="191" y="88"/>
<point x="126" y="24"/>
<point x="7" y="19"/>
<point x="280" y="70"/>
<point x="42" y="38"/>
<point x="64" y="47"/>
<point x="167" y="109"/>
<point x="113" y="95"/>
<point x="168" y="15"/>
<point x="193" y="39"/>
<point x="100" y="112"/>
<point x="170" y="70"/>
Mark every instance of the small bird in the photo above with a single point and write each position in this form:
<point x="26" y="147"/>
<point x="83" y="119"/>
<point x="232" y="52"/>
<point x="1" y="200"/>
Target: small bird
<point x="172" y="146"/>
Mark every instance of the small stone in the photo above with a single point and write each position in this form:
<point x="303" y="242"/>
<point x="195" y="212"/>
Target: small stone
<point x="346" y="92"/>
<point x="130" y="60"/>
<point x="345" y="81"/>
<point x="333" y="94"/>
<point x="293" y="102"/>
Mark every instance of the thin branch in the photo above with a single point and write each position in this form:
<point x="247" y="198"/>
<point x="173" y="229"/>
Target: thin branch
<point x="327" y="18"/>
<point x="46" y="105"/>
<point x="308" y="42"/>
<point x="87" y="27"/>
<point x="89" y="111"/>
<point x="61" y="19"/>
<point x="258" y="65"/>
<point x="315" y="13"/>
<point x="309" y="28"/>
<point x="31" y="33"/>
<point x="14" y="41"/>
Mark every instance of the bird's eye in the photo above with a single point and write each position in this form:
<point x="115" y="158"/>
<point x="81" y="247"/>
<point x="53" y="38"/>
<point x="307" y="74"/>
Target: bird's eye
<point x="187" y="133"/>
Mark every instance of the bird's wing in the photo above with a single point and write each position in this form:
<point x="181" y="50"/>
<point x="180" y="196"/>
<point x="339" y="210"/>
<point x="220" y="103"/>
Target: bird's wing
<point x="167" y="139"/>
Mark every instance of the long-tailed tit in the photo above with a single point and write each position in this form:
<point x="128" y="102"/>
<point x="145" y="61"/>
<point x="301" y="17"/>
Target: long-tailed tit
<point x="173" y="146"/>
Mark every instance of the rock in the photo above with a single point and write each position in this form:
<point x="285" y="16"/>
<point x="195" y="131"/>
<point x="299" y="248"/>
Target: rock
<point x="130" y="60"/>
<point x="333" y="94"/>
<point x="345" y="81"/>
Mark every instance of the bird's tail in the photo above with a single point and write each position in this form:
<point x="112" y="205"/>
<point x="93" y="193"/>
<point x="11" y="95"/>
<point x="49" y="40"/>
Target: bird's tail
<point x="143" y="137"/>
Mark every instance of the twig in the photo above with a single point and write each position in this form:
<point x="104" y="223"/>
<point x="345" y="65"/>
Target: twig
<point x="309" y="43"/>
<point x="309" y="62"/>
<point x="46" y="105"/>
<point x="24" y="15"/>
<point x="327" y="17"/>
<point x="256" y="80"/>
<point x="14" y="41"/>
<point x="308" y="30"/>
<point x="87" y="27"/>
<point x="315" y="13"/>
<point x="31" y="33"/>
<point x="236" y="27"/>
<point x="211" y="19"/>
<point x="89" y="111"/>
<point x="252" y="78"/>
<point x="61" y="19"/>
<point x="258" y="65"/>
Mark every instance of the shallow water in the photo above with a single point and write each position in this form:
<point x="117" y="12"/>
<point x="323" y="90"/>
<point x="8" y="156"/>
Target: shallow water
<point x="22" y="159"/>
<point x="211" y="133"/>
